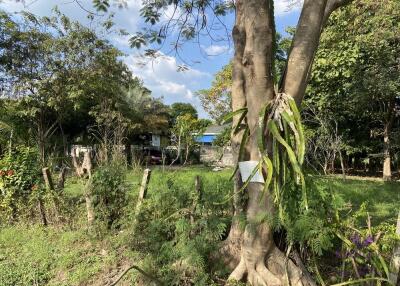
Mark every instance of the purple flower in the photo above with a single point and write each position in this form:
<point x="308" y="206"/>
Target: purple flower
<point x="356" y="239"/>
<point x="368" y="241"/>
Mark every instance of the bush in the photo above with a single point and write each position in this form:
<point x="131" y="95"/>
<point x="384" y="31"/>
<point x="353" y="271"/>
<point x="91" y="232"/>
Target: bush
<point x="178" y="229"/>
<point x="20" y="181"/>
<point x="109" y="192"/>
<point x="363" y="250"/>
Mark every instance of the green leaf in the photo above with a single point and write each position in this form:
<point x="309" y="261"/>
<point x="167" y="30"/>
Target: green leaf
<point x="299" y="127"/>
<point x="239" y="123"/>
<point x="243" y="142"/>
<point x="256" y="168"/>
<point x="344" y="239"/>
<point x="230" y="115"/>
<point x="261" y="127"/>
<point x="270" y="170"/>
<point x="292" y="157"/>
<point x="275" y="156"/>
<point x="383" y="263"/>
<point x="101" y="5"/>
<point x="234" y="172"/>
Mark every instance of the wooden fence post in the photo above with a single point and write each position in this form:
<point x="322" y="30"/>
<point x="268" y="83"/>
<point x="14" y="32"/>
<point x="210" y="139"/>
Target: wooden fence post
<point x="49" y="185"/>
<point x="48" y="180"/>
<point x="61" y="179"/>
<point x="143" y="189"/>
<point x="87" y="165"/>
<point x="142" y="192"/>
<point x="395" y="263"/>
<point x="197" y="187"/>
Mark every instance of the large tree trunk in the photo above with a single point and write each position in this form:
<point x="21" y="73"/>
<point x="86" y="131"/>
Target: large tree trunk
<point x="260" y="262"/>
<point x="257" y="259"/>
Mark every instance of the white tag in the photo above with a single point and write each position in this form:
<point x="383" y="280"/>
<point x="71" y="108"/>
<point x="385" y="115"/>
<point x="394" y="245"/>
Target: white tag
<point x="246" y="168"/>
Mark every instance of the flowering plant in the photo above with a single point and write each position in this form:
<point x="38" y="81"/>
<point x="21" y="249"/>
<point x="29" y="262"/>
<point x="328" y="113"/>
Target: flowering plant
<point x="365" y="251"/>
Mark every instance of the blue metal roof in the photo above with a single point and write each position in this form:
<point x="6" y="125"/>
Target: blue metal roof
<point x="206" y="138"/>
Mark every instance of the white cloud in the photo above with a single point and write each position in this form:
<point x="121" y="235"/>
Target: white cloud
<point x="161" y="76"/>
<point x="215" y="50"/>
<point x="284" y="7"/>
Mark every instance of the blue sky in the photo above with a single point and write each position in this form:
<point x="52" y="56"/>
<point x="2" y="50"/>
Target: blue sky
<point x="161" y="76"/>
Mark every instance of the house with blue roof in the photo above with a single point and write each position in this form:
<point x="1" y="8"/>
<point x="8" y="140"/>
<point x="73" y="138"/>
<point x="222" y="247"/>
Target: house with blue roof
<point x="211" y="133"/>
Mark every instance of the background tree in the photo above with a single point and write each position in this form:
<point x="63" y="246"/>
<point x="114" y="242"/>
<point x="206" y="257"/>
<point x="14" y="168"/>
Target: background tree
<point x="181" y="108"/>
<point x="216" y="100"/>
<point x="68" y="85"/>
<point x="184" y="134"/>
<point x="356" y="82"/>
<point x="29" y="65"/>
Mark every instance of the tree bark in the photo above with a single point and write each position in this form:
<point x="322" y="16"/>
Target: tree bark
<point x="61" y="178"/>
<point x="304" y="47"/>
<point x="260" y="262"/>
<point x="257" y="260"/>
<point x="342" y="164"/>
<point x="387" y="169"/>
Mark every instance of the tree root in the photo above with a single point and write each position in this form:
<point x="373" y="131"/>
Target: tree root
<point x="257" y="274"/>
<point x="274" y="270"/>
<point x="141" y="271"/>
<point x="229" y="253"/>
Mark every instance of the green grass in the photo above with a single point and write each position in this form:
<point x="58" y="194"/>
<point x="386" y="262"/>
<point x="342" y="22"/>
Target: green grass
<point x="36" y="255"/>
<point x="33" y="255"/>
<point x="382" y="198"/>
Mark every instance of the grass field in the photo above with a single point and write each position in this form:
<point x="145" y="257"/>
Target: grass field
<point x="66" y="255"/>
<point x="382" y="198"/>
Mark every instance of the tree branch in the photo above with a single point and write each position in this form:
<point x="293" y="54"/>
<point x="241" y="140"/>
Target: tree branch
<point x="304" y="46"/>
<point x="314" y="15"/>
<point x="331" y="6"/>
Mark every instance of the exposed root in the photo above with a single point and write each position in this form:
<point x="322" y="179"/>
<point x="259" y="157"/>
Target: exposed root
<point x="261" y="262"/>
<point x="257" y="275"/>
<point x="229" y="253"/>
<point x="270" y="271"/>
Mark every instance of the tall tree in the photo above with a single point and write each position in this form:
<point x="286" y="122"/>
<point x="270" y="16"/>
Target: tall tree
<point x="64" y="78"/>
<point x="29" y="65"/>
<point x="217" y="99"/>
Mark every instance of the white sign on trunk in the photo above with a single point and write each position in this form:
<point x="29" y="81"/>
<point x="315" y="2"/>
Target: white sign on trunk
<point x="246" y="168"/>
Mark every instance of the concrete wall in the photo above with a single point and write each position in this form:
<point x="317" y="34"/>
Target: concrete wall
<point x="216" y="155"/>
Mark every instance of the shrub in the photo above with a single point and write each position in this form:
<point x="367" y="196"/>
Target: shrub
<point x="109" y="191"/>
<point x="178" y="229"/>
<point x="364" y="250"/>
<point x="20" y="181"/>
